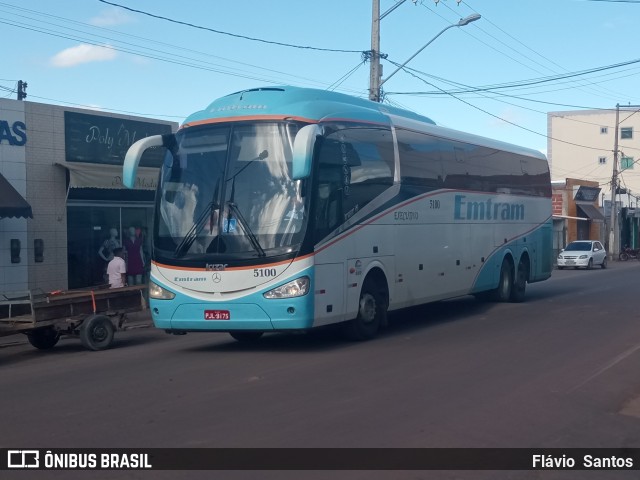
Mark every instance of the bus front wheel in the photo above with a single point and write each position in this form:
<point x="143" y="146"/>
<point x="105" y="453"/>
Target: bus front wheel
<point x="372" y="313"/>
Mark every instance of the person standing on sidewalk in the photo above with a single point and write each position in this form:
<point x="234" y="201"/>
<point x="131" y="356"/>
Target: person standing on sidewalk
<point x="117" y="269"/>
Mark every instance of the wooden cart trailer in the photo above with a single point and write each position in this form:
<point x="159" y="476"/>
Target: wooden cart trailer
<point x="93" y="315"/>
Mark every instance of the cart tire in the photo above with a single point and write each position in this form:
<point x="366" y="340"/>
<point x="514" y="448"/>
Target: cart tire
<point x="44" y="338"/>
<point x="96" y="332"/>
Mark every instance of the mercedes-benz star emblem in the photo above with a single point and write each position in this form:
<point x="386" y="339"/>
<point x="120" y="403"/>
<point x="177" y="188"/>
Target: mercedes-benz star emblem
<point x="217" y="278"/>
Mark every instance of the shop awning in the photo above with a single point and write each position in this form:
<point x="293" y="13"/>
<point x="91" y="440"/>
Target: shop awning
<point x="11" y="202"/>
<point x="567" y="217"/>
<point x="93" y="175"/>
<point x="591" y="212"/>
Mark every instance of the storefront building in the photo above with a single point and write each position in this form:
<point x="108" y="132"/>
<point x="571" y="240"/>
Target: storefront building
<point x="576" y="214"/>
<point x="66" y="163"/>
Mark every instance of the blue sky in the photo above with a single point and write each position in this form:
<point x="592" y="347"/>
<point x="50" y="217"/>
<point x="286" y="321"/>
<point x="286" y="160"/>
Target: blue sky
<point x="89" y="53"/>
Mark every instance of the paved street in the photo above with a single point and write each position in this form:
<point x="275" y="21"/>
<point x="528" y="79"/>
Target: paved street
<point x="560" y="370"/>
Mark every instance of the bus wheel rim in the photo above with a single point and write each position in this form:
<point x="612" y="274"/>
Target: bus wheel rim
<point x="368" y="308"/>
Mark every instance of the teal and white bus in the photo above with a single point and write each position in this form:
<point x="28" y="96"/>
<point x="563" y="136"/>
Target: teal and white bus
<point x="286" y="208"/>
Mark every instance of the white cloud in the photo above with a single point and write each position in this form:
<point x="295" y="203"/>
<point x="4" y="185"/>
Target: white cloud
<point x="506" y="115"/>
<point x="111" y="17"/>
<point x="82" y="53"/>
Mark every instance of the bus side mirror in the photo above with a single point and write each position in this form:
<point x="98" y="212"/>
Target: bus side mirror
<point x="303" y="146"/>
<point x="135" y="152"/>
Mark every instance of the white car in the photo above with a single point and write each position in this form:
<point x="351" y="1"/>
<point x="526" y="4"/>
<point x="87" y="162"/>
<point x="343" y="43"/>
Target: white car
<point x="583" y="253"/>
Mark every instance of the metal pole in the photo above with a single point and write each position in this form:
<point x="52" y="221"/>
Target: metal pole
<point x="614" y="248"/>
<point x="463" y="21"/>
<point x="415" y="54"/>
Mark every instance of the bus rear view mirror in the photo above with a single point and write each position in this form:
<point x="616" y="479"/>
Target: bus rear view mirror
<point x="135" y="152"/>
<point x="303" y="146"/>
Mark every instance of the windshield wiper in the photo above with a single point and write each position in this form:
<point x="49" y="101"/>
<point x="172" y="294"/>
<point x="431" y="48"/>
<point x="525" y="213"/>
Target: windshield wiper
<point x="184" y="246"/>
<point x="233" y="207"/>
<point x="245" y="226"/>
<point x="190" y="237"/>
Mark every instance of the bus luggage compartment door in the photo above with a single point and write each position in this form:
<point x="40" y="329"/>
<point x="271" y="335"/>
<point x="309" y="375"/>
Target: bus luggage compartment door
<point x="329" y="293"/>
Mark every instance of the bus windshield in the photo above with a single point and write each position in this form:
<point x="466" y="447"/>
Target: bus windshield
<point x="227" y="190"/>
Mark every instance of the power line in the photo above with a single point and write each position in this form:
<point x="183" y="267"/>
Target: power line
<point x="92" y="107"/>
<point x="497" y="116"/>
<point x="187" y="62"/>
<point x="154" y="51"/>
<point x="343" y="78"/>
<point x="588" y="83"/>
<point x="583" y="83"/>
<point x="535" y="81"/>
<point x="521" y="107"/>
<point x="271" y="42"/>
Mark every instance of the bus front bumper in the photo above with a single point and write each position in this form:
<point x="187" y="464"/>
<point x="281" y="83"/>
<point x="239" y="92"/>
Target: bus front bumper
<point x="281" y="314"/>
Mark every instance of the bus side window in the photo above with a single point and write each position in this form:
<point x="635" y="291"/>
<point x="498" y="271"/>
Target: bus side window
<point x="355" y="166"/>
<point x="329" y="200"/>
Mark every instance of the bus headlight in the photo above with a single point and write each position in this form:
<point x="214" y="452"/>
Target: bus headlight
<point x="159" y="293"/>
<point x="295" y="288"/>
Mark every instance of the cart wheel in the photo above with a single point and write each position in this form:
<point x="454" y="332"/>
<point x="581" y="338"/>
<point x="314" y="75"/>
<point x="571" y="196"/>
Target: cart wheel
<point x="96" y="332"/>
<point x="44" y="338"/>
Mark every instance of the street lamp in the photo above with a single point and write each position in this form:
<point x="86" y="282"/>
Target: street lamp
<point x="463" y="21"/>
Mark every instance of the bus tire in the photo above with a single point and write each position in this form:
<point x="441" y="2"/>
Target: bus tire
<point x="44" y="338"/>
<point x="519" y="286"/>
<point x="372" y="313"/>
<point x="96" y="332"/>
<point x="502" y="293"/>
<point x="246" y="337"/>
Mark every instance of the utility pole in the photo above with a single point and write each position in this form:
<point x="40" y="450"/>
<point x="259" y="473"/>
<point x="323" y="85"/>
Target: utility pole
<point x="22" y="90"/>
<point x="375" y="68"/>
<point x="375" y="74"/>
<point x="613" y="234"/>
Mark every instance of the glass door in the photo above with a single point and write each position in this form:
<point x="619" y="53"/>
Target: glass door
<point x="92" y="234"/>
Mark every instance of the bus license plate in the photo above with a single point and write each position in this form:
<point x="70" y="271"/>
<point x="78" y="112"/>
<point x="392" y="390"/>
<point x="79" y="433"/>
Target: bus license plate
<point x="217" y="315"/>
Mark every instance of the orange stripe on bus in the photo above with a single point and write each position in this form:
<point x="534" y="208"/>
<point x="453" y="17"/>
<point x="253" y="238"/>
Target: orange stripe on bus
<point x="246" y="118"/>
<point x="251" y="267"/>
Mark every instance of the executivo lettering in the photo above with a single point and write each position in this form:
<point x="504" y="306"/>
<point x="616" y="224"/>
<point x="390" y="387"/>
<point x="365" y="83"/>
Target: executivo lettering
<point x="487" y="210"/>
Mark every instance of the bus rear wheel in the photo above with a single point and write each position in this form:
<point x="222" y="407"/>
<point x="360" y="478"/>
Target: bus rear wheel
<point x="520" y="282"/>
<point x="372" y="313"/>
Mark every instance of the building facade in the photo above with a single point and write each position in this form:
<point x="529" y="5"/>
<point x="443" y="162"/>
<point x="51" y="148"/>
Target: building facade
<point x="581" y="145"/>
<point x="576" y="213"/>
<point x="67" y="163"/>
